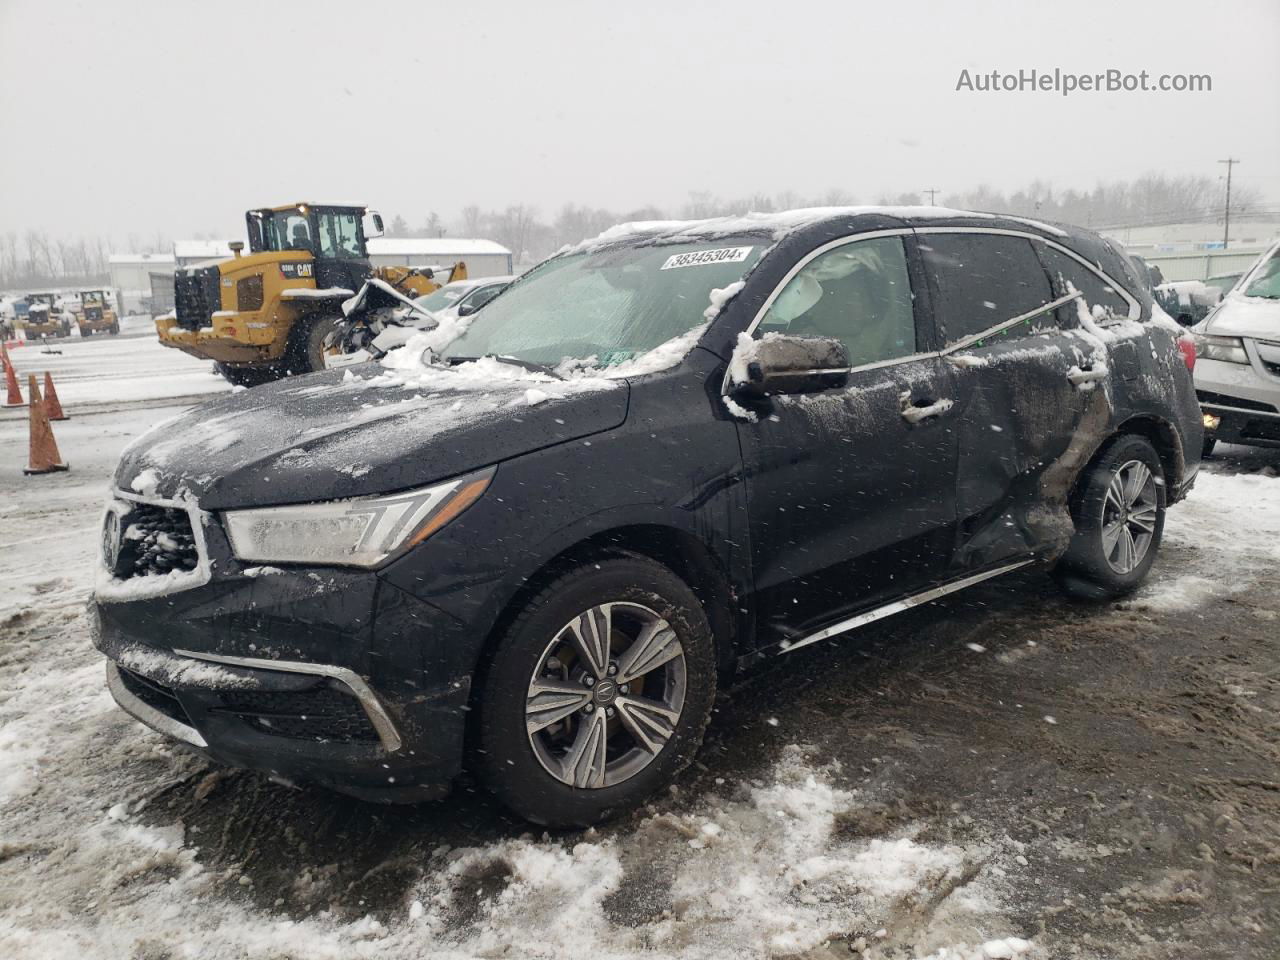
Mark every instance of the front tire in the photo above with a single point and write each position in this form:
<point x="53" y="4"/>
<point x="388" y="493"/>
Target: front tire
<point x="1119" y="512"/>
<point x="307" y="349"/>
<point x="598" y="693"/>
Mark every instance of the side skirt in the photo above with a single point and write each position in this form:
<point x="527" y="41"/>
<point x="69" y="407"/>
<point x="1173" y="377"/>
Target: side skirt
<point x="898" y="606"/>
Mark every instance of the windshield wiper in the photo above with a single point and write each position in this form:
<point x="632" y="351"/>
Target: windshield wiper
<point x="514" y="361"/>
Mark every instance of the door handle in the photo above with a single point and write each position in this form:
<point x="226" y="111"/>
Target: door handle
<point x="913" y="411"/>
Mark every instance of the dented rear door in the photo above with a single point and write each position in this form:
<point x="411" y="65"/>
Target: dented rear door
<point x="1022" y="385"/>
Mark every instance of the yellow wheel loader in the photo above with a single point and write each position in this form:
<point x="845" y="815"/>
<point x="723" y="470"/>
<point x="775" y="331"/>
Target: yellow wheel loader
<point x="272" y="312"/>
<point x="95" y="314"/>
<point x="45" y="317"/>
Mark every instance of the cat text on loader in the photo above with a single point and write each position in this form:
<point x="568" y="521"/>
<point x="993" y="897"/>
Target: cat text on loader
<point x="267" y="314"/>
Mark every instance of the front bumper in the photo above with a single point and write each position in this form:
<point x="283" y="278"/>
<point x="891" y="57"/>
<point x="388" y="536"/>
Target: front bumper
<point x="310" y="674"/>
<point x="1244" y="397"/>
<point x="231" y="337"/>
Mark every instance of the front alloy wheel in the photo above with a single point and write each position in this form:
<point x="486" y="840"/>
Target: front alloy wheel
<point x="596" y="694"/>
<point x="606" y="695"/>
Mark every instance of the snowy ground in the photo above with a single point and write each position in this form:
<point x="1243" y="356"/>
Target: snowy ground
<point x="1002" y="774"/>
<point x="130" y="368"/>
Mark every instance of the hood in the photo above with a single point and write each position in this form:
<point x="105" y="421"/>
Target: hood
<point x="1241" y="316"/>
<point x="362" y="430"/>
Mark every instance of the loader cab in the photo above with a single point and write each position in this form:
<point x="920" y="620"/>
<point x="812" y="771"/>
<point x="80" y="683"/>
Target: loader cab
<point x="334" y="236"/>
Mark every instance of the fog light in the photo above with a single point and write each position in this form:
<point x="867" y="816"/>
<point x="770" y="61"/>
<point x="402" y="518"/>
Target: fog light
<point x="1211" y="421"/>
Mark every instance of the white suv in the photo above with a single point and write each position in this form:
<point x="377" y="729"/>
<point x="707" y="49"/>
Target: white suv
<point x="1237" y="373"/>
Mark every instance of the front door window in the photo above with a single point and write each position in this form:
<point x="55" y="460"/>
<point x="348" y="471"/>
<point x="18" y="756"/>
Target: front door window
<point x="858" y="293"/>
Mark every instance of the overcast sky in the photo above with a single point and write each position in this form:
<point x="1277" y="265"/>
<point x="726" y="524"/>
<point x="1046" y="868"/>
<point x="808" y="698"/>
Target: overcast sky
<point x="174" y="117"/>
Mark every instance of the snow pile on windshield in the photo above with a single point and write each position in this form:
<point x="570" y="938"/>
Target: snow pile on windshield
<point x="415" y="365"/>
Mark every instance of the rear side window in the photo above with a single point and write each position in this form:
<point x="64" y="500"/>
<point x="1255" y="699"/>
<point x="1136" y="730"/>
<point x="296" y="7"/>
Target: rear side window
<point x="984" y="280"/>
<point x="1070" y="275"/>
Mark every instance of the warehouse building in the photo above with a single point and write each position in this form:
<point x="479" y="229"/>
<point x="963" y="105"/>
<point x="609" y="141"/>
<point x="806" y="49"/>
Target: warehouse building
<point x="483" y="258"/>
<point x="133" y="274"/>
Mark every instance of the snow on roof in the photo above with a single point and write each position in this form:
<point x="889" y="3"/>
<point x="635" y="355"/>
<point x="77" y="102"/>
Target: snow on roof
<point x="433" y="247"/>
<point x="201" y="249"/>
<point x="140" y="258"/>
<point x="783" y="222"/>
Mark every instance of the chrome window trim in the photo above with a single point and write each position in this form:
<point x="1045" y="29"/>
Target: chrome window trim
<point x="373" y="708"/>
<point x="1135" y="309"/>
<point x="147" y="714"/>
<point x="898" y="606"/>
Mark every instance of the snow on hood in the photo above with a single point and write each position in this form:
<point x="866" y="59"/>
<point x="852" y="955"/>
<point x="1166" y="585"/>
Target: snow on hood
<point x="351" y="432"/>
<point x="1243" y="316"/>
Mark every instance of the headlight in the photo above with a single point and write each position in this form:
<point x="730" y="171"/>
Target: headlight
<point x="357" y="533"/>
<point x="1226" y="349"/>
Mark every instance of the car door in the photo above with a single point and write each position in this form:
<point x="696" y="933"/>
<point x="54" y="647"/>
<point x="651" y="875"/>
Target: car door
<point x="851" y="490"/>
<point x="1023" y="378"/>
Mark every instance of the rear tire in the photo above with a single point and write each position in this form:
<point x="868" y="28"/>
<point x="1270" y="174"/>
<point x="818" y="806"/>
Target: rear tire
<point x="1118" y="512"/>
<point x="244" y="375"/>
<point x="549" y="771"/>
<point x="1206" y="449"/>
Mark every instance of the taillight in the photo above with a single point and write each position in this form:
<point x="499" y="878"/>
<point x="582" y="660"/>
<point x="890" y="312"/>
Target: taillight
<point x="1187" y="347"/>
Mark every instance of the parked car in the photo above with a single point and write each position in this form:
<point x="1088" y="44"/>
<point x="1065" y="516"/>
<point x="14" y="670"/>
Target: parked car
<point x="464" y="297"/>
<point x="1238" y="374"/>
<point x="1187" y="301"/>
<point x="1223" y="283"/>
<point x="657" y="458"/>
<point x="459" y="298"/>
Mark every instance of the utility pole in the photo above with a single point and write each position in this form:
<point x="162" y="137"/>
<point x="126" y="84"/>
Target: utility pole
<point x="1226" y="227"/>
<point x="933" y="192"/>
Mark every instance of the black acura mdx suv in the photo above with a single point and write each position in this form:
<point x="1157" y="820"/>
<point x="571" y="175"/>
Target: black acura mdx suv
<point x="531" y="540"/>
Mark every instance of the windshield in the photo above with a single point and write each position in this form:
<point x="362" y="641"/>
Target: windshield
<point x="1266" y="282"/>
<point x="442" y="298"/>
<point x="611" y="304"/>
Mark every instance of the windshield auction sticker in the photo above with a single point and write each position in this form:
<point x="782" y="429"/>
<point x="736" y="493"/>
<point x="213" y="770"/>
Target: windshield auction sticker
<point x="700" y="258"/>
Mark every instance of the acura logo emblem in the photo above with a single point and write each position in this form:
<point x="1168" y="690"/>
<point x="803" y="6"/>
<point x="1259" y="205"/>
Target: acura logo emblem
<point x="111" y="540"/>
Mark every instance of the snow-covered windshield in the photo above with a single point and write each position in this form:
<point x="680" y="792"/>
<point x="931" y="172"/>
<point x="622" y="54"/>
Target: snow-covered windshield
<point x="611" y="304"/>
<point x="1266" y="282"/>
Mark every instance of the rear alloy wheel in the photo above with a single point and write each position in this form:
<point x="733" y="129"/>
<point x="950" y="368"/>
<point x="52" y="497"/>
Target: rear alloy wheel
<point x="598" y="694"/>
<point x="1119" y="519"/>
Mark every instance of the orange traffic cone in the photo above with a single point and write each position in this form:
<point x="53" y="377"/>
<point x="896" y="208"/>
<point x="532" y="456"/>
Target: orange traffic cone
<point x="13" y="398"/>
<point x="52" y="405"/>
<point x="44" y="449"/>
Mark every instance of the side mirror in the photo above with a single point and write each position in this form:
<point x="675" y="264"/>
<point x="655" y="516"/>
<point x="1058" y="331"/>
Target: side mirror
<point x="467" y="309"/>
<point x="375" y="219"/>
<point x="778" y="363"/>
